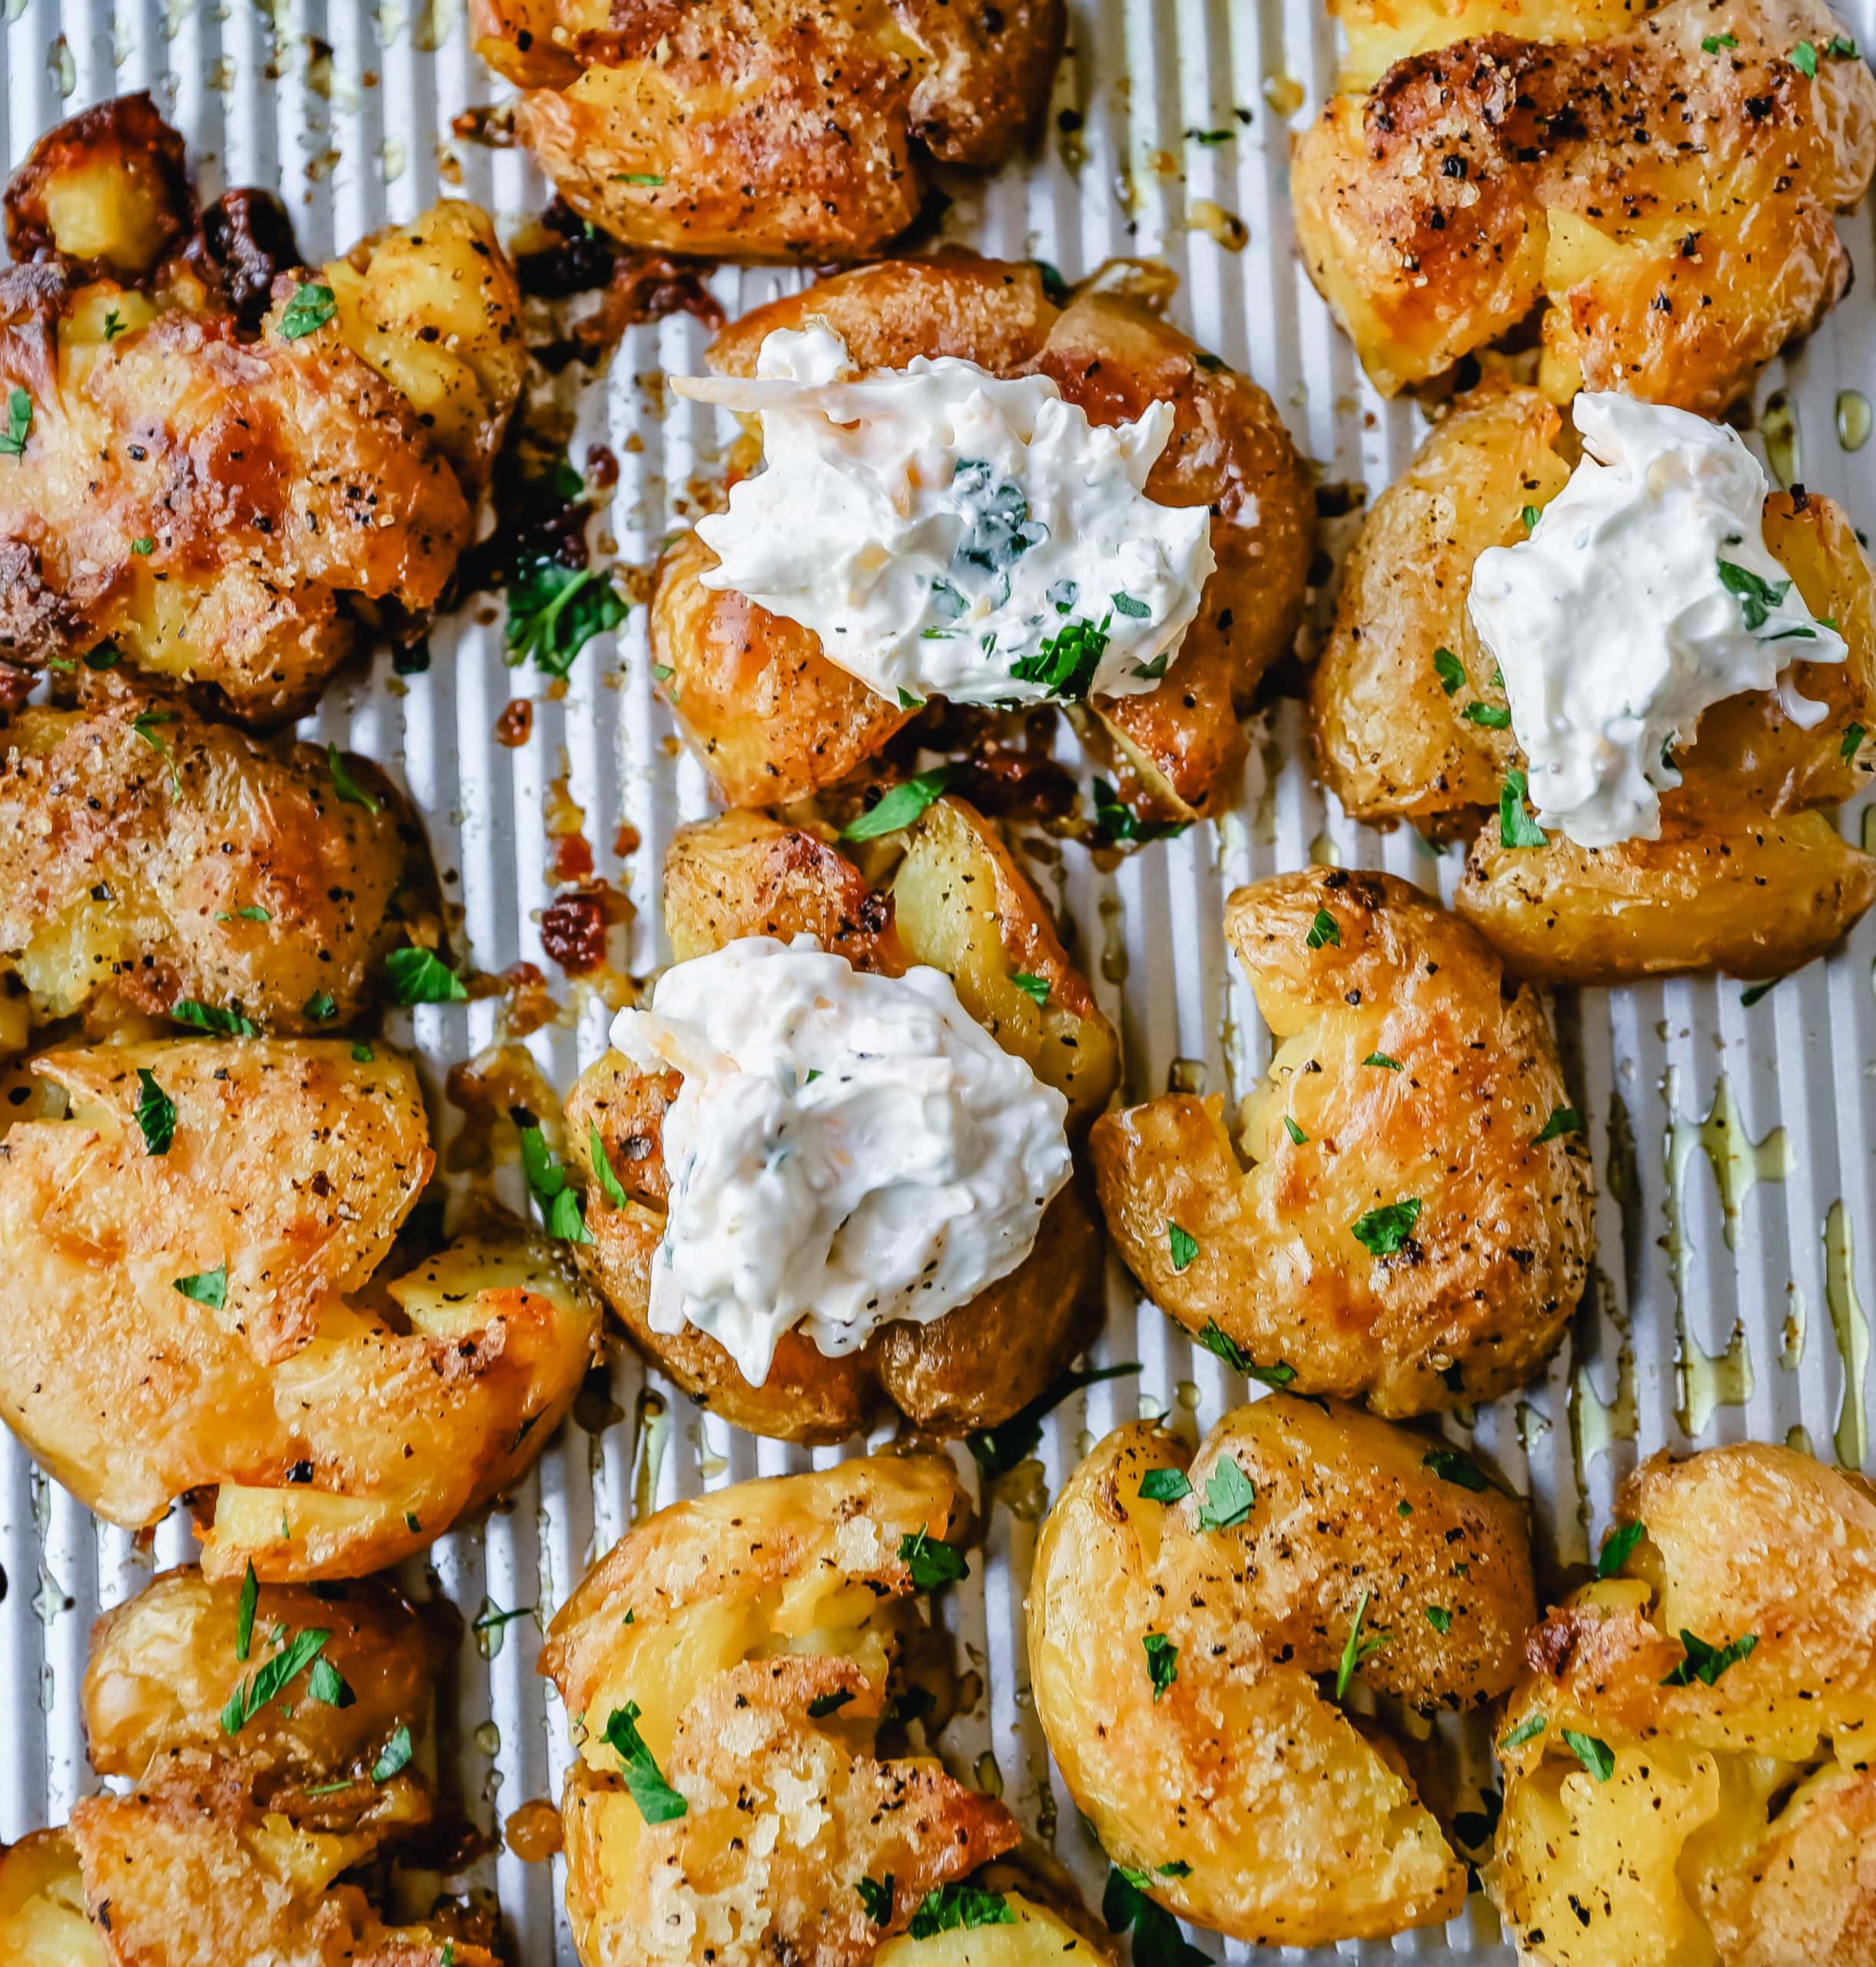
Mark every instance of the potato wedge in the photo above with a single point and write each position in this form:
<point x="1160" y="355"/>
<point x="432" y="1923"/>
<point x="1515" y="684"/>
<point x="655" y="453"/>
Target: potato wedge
<point x="773" y="719"/>
<point x="1686" y="1765"/>
<point x="1184" y="1762"/>
<point x="1414" y="1226"/>
<point x="738" y="1651"/>
<point x="188" y="1314"/>
<point x="1660" y="189"/>
<point x="958" y="902"/>
<point x="147" y="856"/>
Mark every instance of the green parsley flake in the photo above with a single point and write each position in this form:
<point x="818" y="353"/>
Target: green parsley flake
<point x="1036" y="988"/>
<point x="1705" y="1664"/>
<point x="349" y="791"/>
<point x="1455" y="1465"/>
<point x="205" y="1287"/>
<point x="1854" y="735"/>
<point x="362" y="1053"/>
<point x="951" y="1907"/>
<point x="309" y="310"/>
<point x="321" y="1007"/>
<point x="1118" y="824"/>
<point x="1803" y="59"/>
<point x="421" y="976"/>
<point x="156" y="1113"/>
<point x="650" y="180"/>
<point x="1357" y="1649"/>
<point x="394" y="1755"/>
<point x="143" y="548"/>
<point x="610" y="1186"/>
<point x="1528" y="1729"/>
<point x="1158" y="1941"/>
<point x="1229" y="1494"/>
<point x="113" y="326"/>
<point x="18" y="423"/>
<point x="1065" y="664"/>
<point x="1592" y="1752"/>
<point x="554" y="611"/>
<point x="1489" y="717"/>
<point x="1126" y="605"/>
<point x="1616" y="1547"/>
<point x="1162" y="1661"/>
<point x="244" y="1612"/>
<point x="1756" y="596"/>
<point x="546" y="1180"/>
<point x="1531" y="516"/>
<point x="1450" y="671"/>
<point x="932" y="1562"/>
<point x="1516" y="826"/>
<point x="1297" y="1136"/>
<point x="1381" y="1059"/>
<point x="1438" y="1617"/>
<point x="1323" y="933"/>
<point x="1711" y="44"/>
<point x="1563" y="1120"/>
<point x="1382" y="1232"/>
<point x="270" y="1679"/>
<point x="326" y="1684"/>
<point x="658" y="1801"/>
<point x="1180" y="1246"/>
<point x="900" y="806"/>
<point x="1216" y="1339"/>
<point x="228" y="1023"/>
<point x="1164" y="1485"/>
<point x="824" y="1704"/>
<point x="876" y="1898"/>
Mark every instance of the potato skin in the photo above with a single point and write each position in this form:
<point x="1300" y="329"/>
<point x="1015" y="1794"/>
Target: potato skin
<point x="1482" y="176"/>
<point x="1481" y="1292"/>
<point x="125" y="870"/>
<point x="745" y="1606"/>
<point x="291" y="1167"/>
<point x="751" y="129"/>
<point x="1243" y="1736"/>
<point x="958" y="902"/>
<point x="1736" y="1824"/>
<point x="773" y="719"/>
<point x="108" y="188"/>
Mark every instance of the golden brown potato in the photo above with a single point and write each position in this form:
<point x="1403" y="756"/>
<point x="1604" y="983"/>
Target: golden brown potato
<point x="732" y="1659"/>
<point x="109" y="188"/>
<point x="148" y="857"/>
<point x="220" y="497"/>
<point x="1747" y="876"/>
<point x="754" y="129"/>
<point x="194" y="1306"/>
<point x="1660" y="188"/>
<point x="957" y="901"/>
<point x="1414" y="1226"/>
<point x="245" y="1811"/>
<point x="1687" y="1766"/>
<point x="773" y="719"/>
<point x="1179" y="1648"/>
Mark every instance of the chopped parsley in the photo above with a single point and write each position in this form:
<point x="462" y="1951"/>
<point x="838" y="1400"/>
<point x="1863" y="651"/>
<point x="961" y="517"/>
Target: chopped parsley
<point x="1115" y="823"/>
<point x="998" y="1450"/>
<point x="362" y="1053"/>
<point x="658" y="1801"/>
<point x="1592" y="1752"/>
<point x="1162" y="1661"/>
<point x="1563" y="1120"/>
<point x="1711" y="44"/>
<point x="496" y="1620"/>
<point x="651" y="180"/>
<point x="1531" y="516"/>
<point x="270" y="1680"/>
<point x="228" y="1023"/>
<point x="309" y="310"/>
<point x="1036" y="988"/>
<point x="1297" y="1136"/>
<point x="554" y="611"/>
<point x="1450" y="671"/>
<point x="143" y="548"/>
<point x="18" y="423"/>
<point x="328" y="1685"/>
<point x="1843" y="48"/>
<point x="156" y="1113"/>
<point x="546" y="1179"/>
<point x="901" y="805"/>
<point x="1616" y="1547"/>
<point x="321" y="1007"/>
<point x="1438" y="1617"/>
<point x="1357" y="1650"/>
<point x="1066" y="663"/>
<point x="1756" y="596"/>
<point x="824" y="1704"/>
<point x="951" y="1907"/>
<point x="1490" y="717"/>
<point x="349" y="791"/>
<point x="1455" y="1465"/>
<point x="1516" y="826"/>
<point x="393" y="1755"/>
<point x="932" y="1562"/>
<point x="1383" y="1061"/>
<point x="1854" y="735"/>
<point x="1158" y="1941"/>
<point x="1217" y="1340"/>
<point x="106" y="656"/>
<point x="610" y="1186"/>
<point x="1164" y="1485"/>
<point x="1528" y="1729"/>
<point x="205" y="1287"/>
<point x="1211" y="138"/>
<point x="1181" y="1246"/>
<point x="421" y="976"/>
<point x="1135" y="611"/>
<point x="244" y="1613"/>
<point x="1382" y="1232"/>
<point x="1803" y="59"/>
<point x="876" y="1898"/>
<point x="907" y="700"/>
<point x="999" y="532"/>
<point x="1229" y="1494"/>
<point x="1705" y="1664"/>
<point x="1324" y="932"/>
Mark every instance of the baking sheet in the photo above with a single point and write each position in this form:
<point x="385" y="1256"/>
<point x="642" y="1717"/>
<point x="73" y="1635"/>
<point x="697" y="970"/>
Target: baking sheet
<point x="1731" y="1142"/>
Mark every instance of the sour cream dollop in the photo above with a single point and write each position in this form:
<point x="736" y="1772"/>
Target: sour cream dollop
<point x="948" y="532"/>
<point x="847" y="1150"/>
<point x="1644" y="595"/>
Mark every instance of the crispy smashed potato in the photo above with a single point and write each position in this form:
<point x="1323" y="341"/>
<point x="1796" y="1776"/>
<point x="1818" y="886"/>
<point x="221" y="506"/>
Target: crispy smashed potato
<point x="734" y="1658"/>
<point x="148" y="857"/>
<point x="1415" y="1225"/>
<point x="243" y="1817"/>
<point x="222" y="498"/>
<point x="1748" y="876"/>
<point x="1184" y="1644"/>
<point x="773" y="719"/>
<point x="958" y="902"/>
<point x="1659" y="187"/>
<point x="194" y="1306"/>
<point x="753" y="128"/>
<point x="1687" y="1758"/>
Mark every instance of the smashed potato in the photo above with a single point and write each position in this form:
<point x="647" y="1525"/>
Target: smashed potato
<point x="734" y="1659"/>
<point x="222" y="498"/>
<point x="1687" y="1758"/>
<point x="245" y="1810"/>
<point x="957" y="901"/>
<point x="194" y="1306"/>
<point x="773" y="719"/>
<point x="150" y="857"/>
<point x="1189" y="1616"/>
<point x="1748" y="875"/>
<point x="1414" y="1226"/>
<point x="1658" y="187"/>
<point x="751" y="129"/>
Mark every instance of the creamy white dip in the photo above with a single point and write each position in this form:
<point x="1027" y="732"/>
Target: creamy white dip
<point x="948" y="532"/>
<point x="847" y="1150"/>
<point x="1644" y="595"/>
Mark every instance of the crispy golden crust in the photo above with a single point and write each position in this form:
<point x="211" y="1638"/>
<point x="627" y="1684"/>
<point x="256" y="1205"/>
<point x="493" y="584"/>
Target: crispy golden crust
<point x="1245" y="1735"/>
<point x="958" y="902"/>
<point x="758" y="128"/>
<point x="339" y="1440"/>
<point x="1734" y="1825"/>
<point x="1479" y="1292"/>
<point x="108" y="189"/>
<point x="773" y="719"/>
<point x="151" y="856"/>
<point x="1667" y="206"/>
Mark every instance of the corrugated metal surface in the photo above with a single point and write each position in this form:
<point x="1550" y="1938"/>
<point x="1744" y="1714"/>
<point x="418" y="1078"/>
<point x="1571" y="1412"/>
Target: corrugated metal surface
<point x="1706" y="1230"/>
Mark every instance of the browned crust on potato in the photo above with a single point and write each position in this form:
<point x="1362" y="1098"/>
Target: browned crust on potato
<point x="123" y="148"/>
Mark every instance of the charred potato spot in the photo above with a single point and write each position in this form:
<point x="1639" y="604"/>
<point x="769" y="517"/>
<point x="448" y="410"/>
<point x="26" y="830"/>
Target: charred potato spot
<point x="757" y="1634"/>
<point x="1747" y="876"/>
<point x="1407" y="1076"/>
<point x="748" y="128"/>
<point x="1256" y="1580"/>
<point x="206" y="1316"/>
<point x="1721" y="1816"/>
<point x="1658" y="187"/>
<point x="220" y="867"/>
<point x="773" y="719"/>
<point x="957" y="901"/>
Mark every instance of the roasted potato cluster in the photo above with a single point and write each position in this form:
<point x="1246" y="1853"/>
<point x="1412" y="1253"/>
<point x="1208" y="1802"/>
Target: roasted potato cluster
<point x="752" y="128"/>
<point x="1414" y="1226"/>
<point x="1195" y="1622"/>
<point x="196" y="1232"/>
<point x="226" y="464"/>
<point x="1658" y="187"/>
<point x="149" y="858"/>
<point x="1749" y="875"/>
<point x="955" y="900"/>
<point x="270" y="1745"/>
<point x="1687" y="1757"/>
<point x="773" y="719"/>
<point x="734" y="1661"/>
